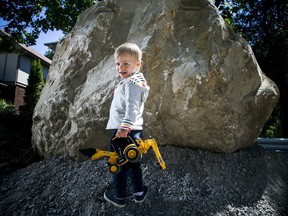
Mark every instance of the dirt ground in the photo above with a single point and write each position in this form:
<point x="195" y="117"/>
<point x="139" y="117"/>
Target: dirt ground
<point x="247" y="182"/>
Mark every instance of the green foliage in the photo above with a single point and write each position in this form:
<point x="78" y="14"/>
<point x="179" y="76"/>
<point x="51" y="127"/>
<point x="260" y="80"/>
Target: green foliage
<point x="33" y="90"/>
<point x="7" y="44"/>
<point x="28" y="18"/>
<point x="264" y="25"/>
<point x="7" y="109"/>
<point x="49" y="54"/>
<point x="272" y="127"/>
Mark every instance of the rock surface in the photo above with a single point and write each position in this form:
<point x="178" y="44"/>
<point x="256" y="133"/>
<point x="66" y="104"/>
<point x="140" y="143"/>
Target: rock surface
<point x="248" y="182"/>
<point x="207" y="90"/>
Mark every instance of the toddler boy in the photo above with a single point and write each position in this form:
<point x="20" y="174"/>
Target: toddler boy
<point x="126" y="118"/>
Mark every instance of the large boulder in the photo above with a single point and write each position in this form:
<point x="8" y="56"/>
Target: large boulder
<point x="207" y="90"/>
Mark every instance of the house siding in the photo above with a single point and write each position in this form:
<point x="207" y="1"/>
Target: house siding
<point x="8" y="67"/>
<point x="14" y="72"/>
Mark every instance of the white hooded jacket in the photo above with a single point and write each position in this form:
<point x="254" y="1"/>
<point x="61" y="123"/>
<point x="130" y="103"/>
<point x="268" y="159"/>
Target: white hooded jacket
<point x="126" y="111"/>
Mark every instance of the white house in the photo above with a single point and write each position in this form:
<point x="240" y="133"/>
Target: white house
<point x="15" y="69"/>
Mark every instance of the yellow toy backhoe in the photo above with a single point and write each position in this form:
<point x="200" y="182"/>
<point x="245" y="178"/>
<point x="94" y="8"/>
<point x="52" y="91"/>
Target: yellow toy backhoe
<point x="132" y="152"/>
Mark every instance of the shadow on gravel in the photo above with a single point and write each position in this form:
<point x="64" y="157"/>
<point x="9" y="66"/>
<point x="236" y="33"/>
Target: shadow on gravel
<point x="16" y="151"/>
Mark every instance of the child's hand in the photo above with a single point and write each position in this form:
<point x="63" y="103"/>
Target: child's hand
<point x="121" y="133"/>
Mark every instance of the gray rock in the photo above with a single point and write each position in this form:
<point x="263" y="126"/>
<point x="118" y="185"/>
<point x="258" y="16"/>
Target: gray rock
<point x="207" y="90"/>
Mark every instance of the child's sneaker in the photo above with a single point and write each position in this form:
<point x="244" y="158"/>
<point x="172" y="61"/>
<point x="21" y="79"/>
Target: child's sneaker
<point x="140" y="199"/>
<point x="110" y="197"/>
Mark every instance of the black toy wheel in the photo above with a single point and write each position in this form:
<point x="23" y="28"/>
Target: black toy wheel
<point x="132" y="154"/>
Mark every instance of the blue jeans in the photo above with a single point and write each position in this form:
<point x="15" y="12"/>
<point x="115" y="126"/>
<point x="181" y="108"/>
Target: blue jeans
<point x="131" y="171"/>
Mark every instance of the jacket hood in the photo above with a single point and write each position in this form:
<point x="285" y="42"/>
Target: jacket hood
<point x="137" y="78"/>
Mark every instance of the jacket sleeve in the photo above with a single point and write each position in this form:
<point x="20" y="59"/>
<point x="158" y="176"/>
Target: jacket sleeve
<point x="133" y="104"/>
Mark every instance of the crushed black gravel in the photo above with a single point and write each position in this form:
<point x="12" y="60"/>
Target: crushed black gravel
<point x="247" y="182"/>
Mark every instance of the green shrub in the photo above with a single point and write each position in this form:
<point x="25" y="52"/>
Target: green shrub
<point x="33" y="90"/>
<point x="7" y="109"/>
<point x="272" y="127"/>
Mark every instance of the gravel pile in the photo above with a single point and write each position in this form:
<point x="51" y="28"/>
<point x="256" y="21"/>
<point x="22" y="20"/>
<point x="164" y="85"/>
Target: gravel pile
<point x="248" y="182"/>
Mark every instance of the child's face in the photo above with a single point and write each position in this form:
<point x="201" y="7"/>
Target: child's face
<point x="126" y="64"/>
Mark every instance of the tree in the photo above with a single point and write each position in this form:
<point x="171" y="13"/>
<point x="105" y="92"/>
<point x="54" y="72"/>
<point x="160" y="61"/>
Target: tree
<point x="49" y="54"/>
<point x="264" y="24"/>
<point x="7" y="44"/>
<point x="28" y="18"/>
<point x="33" y="90"/>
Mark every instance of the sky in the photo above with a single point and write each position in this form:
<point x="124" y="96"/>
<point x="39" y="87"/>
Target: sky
<point x="50" y="36"/>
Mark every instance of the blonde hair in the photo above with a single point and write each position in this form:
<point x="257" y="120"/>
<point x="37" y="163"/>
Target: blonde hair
<point x="130" y="48"/>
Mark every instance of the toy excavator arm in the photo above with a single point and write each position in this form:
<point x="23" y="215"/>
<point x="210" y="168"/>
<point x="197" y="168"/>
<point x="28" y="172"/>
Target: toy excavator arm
<point x="144" y="146"/>
<point x="101" y="153"/>
<point x="95" y="154"/>
<point x="158" y="154"/>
